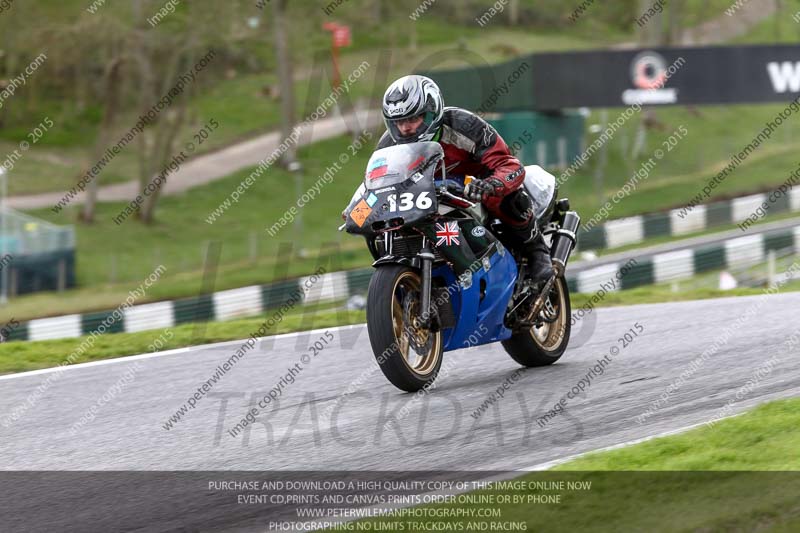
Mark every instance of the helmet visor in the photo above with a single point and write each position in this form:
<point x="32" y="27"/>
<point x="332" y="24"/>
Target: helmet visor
<point x="409" y="129"/>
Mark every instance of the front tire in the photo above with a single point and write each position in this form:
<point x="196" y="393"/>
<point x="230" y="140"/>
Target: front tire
<point x="544" y="345"/>
<point x="409" y="356"/>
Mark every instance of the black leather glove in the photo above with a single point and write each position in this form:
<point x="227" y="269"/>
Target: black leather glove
<point x="480" y="190"/>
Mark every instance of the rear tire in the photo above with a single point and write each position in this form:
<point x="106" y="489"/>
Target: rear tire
<point x="409" y="357"/>
<point x="544" y="345"/>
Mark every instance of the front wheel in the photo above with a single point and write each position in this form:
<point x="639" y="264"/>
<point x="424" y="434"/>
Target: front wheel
<point x="543" y="345"/>
<point x="408" y="355"/>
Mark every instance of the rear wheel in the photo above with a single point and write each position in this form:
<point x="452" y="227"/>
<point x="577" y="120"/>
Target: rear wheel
<point x="543" y="345"/>
<point x="409" y="356"/>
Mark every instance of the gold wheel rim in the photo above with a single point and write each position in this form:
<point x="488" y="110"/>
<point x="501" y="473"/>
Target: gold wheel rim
<point x="407" y="285"/>
<point x="550" y="335"/>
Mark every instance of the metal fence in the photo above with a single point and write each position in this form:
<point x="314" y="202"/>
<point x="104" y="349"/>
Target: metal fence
<point x="35" y="255"/>
<point x="22" y="234"/>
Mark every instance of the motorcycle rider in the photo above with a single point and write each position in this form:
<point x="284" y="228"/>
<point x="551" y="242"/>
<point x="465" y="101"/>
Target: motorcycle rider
<point x="413" y="111"/>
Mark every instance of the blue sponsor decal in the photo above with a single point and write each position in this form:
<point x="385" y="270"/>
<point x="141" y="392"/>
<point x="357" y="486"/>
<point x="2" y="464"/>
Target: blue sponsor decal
<point x="371" y="199"/>
<point x="376" y="163"/>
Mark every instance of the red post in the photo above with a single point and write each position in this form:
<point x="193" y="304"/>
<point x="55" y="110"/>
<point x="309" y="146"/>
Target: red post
<point x="340" y="36"/>
<point x="335" y="56"/>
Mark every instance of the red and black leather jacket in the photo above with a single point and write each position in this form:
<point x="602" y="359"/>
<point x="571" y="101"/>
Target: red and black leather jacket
<point x="473" y="147"/>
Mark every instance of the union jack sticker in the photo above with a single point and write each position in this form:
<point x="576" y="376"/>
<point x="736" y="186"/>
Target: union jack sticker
<point x="447" y="234"/>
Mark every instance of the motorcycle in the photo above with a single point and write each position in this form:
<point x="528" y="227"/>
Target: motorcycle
<point x="444" y="279"/>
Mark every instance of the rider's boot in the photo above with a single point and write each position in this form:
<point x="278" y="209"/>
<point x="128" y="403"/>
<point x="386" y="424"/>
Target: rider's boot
<point x="532" y="246"/>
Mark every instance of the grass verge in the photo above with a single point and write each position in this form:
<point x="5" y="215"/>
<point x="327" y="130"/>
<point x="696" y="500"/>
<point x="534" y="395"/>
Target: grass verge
<point x="24" y="356"/>
<point x="760" y="440"/>
<point x="727" y="477"/>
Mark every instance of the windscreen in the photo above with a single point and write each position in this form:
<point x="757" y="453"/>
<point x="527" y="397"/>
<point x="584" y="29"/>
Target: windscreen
<point x="394" y="164"/>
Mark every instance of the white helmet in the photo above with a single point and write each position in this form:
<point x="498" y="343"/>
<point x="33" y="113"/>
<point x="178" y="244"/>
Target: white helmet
<point x="408" y="97"/>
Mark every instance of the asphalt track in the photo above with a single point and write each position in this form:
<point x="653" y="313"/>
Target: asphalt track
<point x="432" y="432"/>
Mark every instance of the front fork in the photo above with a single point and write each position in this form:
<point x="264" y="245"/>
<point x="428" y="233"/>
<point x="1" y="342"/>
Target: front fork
<point x="564" y="241"/>
<point x="426" y="258"/>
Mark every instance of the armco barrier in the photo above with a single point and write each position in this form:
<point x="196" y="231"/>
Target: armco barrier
<point x="682" y="221"/>
<point x="738" y="252"/>
<point x="338" y="286"/>
<point x="223" y="305"/>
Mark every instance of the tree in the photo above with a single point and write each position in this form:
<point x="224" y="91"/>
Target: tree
<point x="286" y="81"/>
<point x="158" y="142"/>
<point x="677" y="10"/>
<point x="513" y="13"/>
<point x="652" y="33"/>
<point x="113" y="90"/>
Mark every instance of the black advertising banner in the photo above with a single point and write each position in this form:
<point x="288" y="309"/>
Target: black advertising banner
<point x="664" y="76"/>
<point x="391" y="501"/>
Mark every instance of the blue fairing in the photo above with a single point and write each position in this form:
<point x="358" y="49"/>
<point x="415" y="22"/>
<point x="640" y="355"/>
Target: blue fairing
<point x="471" y="313"/>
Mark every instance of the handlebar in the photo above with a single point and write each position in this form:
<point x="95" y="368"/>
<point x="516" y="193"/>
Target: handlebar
<point x="451" y="185"/>
<point x="444" y="192"/>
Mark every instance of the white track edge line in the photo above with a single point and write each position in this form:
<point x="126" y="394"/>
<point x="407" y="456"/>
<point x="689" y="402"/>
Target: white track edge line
<point x="173" y="351"/>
